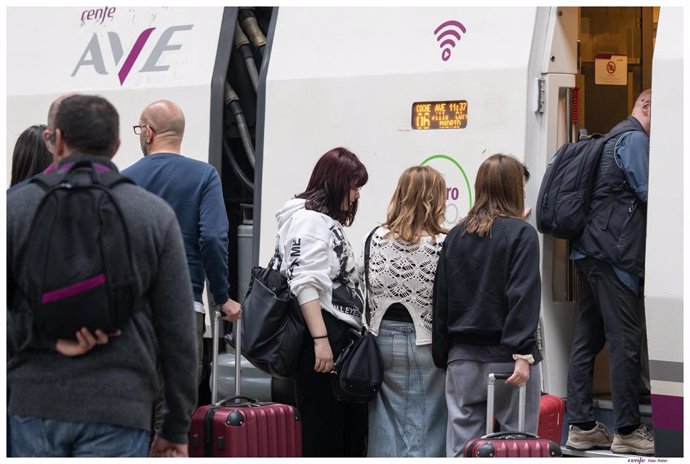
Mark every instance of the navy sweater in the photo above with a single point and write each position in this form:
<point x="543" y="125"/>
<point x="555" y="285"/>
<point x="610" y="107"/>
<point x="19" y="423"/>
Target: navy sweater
<point x="193" y="189"/>
<point x="487" y="289"/>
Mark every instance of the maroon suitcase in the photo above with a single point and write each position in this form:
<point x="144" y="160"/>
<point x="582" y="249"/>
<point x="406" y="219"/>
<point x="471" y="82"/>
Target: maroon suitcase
<point x="508" y="444"/>
<point x="551" y="417"/>
<point x="240" y="426"/>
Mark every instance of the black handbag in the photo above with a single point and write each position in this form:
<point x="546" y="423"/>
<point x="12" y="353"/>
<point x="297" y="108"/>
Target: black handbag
<point x="359" y="367"/>
<point x="273" y="328"/>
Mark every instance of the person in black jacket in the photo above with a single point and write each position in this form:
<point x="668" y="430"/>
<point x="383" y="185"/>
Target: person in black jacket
<point x="486" y="307"/>
<point x="609" y="255"/>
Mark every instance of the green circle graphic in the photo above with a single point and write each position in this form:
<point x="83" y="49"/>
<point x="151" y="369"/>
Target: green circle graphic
<point x="452" y="160"/>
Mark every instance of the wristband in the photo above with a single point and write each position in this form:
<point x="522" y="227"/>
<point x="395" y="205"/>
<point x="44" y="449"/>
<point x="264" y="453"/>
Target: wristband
<point x="526" y="357"/>
<point x="322" y="336"/>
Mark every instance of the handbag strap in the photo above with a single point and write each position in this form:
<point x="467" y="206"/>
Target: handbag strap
<point x="276" y="255"/>
<point x="367" y="249"/>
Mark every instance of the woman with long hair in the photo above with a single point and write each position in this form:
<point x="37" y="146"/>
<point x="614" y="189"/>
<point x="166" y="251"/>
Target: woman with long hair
<point x="486" y="306"/>
<point x="408" y="417"/>
<point x="30" y="155"/>
<point x="317" y="259"/>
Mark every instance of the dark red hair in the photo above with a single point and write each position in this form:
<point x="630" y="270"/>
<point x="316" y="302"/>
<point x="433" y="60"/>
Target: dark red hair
<point x="336" y="172"/>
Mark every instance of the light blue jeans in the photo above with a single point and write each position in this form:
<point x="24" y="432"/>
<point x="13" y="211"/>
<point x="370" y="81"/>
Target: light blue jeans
<point x="35" y="437"/>
<point x="408" y="417"/>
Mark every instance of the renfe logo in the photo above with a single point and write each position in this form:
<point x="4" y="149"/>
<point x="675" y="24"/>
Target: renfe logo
<point x="98" y="13"/>
<point x="93" y="55"/>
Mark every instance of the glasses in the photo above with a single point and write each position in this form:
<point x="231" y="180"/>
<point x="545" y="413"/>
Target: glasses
<point x="139" y="127"/>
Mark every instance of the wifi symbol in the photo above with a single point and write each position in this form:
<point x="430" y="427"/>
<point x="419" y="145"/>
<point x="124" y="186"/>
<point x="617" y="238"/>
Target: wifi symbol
<point x="448" y="30"/>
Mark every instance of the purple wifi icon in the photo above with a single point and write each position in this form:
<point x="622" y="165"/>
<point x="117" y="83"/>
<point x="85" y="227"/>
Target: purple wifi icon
<point x="447" y="34"/>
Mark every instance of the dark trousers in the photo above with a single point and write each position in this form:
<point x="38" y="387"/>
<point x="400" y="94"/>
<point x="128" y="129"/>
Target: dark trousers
<point x="330" y="428"/>
<point x="608" y="311"/>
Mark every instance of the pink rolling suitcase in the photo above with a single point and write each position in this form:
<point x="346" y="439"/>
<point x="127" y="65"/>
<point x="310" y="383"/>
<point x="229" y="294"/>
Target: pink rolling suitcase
<point x="242" y="427"/>
<point x="508" y="444"/>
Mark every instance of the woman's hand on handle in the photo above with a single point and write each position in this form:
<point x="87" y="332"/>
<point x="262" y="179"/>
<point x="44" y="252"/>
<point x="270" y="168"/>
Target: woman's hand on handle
<point x="520" y="373"/>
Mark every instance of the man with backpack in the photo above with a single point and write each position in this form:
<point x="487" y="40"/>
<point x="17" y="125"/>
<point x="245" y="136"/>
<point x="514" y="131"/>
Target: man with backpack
<point x="609" y="254"/>
<point x="98" y="295"/>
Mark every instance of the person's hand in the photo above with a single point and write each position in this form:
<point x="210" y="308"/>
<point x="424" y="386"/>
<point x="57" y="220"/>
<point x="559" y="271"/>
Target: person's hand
<point x="85" y="341"/>
<point x="162" y="448"/>
<point x="231" y="310"/>
<point x="520" y="374"/>
<point x="323" y="355"/>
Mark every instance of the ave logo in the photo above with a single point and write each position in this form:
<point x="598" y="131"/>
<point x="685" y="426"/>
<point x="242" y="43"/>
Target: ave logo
<point x="92" y="57"/>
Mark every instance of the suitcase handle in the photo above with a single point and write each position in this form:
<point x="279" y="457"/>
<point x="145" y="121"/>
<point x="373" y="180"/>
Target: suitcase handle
<point x="214" y="354"/>
<point x="217" y="315"/>
<point x="237" y="399"/>
<point x="510" y="435"/>
<point x="491" y="397"/>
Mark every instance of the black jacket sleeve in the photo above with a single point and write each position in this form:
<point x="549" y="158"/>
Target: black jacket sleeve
<point x="523" y="291"/>
<point x="440" y="340"/>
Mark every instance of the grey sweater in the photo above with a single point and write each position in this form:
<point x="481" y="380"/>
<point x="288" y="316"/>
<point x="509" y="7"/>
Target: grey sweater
<point x="115" y="383"/>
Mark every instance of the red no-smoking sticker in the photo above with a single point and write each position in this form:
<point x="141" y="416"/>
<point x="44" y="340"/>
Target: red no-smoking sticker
<point x="611" y="67"/>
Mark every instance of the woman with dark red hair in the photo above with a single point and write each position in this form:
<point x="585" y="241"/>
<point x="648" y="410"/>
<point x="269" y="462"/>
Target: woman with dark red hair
<point x="318" y="261"/>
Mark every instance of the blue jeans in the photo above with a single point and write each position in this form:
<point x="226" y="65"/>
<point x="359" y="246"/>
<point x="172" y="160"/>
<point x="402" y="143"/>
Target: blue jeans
<point x="408" y="416"/>
<point x="36" y="437"/>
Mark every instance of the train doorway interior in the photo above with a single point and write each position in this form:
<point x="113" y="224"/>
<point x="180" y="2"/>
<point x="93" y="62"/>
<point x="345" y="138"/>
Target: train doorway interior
<point x="605" y="95"/>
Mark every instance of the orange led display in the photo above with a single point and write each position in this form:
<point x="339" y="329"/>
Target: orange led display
<point x="439" y="115"/>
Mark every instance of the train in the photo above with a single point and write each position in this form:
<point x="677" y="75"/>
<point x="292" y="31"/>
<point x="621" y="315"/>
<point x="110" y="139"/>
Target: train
<point x="267" y="90"/>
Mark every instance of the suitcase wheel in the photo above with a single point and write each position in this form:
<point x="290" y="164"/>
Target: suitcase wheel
<point x="555" y="449"/>
<point x="486" y="450"/>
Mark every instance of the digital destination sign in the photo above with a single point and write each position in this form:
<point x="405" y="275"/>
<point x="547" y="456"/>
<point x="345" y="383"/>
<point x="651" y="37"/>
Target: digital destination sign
<point x="439" y="115"/>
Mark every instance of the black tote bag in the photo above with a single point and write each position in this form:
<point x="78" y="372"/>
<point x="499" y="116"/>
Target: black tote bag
<point x="272" y="324"/>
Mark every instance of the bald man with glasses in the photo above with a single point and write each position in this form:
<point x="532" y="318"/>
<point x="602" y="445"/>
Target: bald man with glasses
<point x="193" y="189"/>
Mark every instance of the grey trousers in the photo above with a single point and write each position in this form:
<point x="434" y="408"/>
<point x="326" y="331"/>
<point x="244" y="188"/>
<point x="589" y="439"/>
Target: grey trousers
<point x="466" y="384"/>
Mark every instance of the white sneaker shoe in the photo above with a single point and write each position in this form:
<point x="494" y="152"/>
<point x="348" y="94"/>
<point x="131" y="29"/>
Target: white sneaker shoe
<point x="639" y="441"/>
<point x="582" y="440"/>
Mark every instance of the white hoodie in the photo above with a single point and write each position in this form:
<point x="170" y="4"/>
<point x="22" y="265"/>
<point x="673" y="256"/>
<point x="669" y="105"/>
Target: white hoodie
<point x="318" y="261"/>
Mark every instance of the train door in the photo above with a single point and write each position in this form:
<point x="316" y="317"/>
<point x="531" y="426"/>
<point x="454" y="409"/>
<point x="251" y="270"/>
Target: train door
<point x="614" y="61"/>
<point x="615" y="65"/>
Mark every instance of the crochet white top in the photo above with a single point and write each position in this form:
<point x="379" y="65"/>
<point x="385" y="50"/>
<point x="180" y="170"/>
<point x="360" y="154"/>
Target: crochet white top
<point x="402" y="272"/>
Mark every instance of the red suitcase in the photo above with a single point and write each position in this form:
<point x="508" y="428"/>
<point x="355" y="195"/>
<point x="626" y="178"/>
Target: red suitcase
<point x="242" y="427"/>
<point x="508" y="444"/>
<point x="551" y="417"/>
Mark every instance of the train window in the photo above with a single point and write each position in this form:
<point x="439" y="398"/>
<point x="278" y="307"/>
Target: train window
<point x="439" y="115"/>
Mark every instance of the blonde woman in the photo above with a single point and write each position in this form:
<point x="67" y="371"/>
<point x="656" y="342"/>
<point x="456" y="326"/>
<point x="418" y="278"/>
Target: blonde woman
<point x="408" y="417"/>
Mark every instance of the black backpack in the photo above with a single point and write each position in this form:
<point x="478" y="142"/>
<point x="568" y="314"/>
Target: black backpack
<point x="566" y="189"/>
<point x="77" y="262"/>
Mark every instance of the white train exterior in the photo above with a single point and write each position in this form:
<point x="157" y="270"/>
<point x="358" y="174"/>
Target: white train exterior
<point x="363" y="78"/>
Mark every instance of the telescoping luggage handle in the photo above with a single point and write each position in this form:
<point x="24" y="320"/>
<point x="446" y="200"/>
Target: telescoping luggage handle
<point x="238" y="357"/>
<point x="490" y="402"/>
